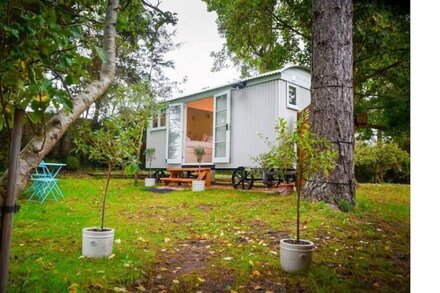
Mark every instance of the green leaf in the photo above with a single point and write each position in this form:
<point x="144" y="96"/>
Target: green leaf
<point x="100" y="53"/>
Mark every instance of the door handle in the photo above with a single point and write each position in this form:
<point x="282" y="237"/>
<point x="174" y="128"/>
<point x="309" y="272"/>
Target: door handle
<point x="227" y="126"/>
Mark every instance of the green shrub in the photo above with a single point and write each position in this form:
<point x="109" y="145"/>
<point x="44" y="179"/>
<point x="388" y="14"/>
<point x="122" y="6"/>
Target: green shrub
<point x="374" y="161"/>
<point x="72" y="163"/>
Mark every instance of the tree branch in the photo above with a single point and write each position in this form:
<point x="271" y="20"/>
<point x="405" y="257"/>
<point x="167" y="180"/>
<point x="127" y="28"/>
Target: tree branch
<point x="30" y="157"/>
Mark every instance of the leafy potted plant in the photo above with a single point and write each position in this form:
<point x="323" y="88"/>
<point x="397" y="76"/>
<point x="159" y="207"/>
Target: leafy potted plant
<point x="199" y="185"/>
<point x="281" y="156"/>
<point x="111" y="145"/>
<point x="314" y="155"/>
<point x="149" y="154"/>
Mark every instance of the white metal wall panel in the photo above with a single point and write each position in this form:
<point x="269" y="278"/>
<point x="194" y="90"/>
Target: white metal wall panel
<point x="253" y="111"/>
<point x="157" y="139"/>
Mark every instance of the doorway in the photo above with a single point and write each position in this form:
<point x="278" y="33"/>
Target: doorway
<point x="199" y="129"/>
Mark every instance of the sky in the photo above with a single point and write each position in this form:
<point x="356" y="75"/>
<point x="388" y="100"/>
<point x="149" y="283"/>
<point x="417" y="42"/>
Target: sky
<point x="197" y="33"/>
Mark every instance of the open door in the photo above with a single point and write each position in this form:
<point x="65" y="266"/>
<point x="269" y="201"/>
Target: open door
<point x="222" y="137"/>
<point x="174" y="133"/>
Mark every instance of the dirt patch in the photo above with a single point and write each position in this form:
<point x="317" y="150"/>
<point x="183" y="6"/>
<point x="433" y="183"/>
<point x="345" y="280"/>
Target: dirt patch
<point x="187" y="258"/>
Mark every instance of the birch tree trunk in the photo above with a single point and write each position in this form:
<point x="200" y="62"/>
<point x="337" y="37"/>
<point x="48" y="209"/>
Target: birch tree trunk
<point x="332" y="97"/>
<point x="40" y="146"/>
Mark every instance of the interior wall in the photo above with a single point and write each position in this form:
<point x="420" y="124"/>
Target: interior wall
<point x="199" y="123"/>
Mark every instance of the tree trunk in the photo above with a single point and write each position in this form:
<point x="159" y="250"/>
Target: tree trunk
<point x="332" y="97"/>
<point x="8" y="215"/>
<point x="40" y="146"/>
<point x="104" y="198"/>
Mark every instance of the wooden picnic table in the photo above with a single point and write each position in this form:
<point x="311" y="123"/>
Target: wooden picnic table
<point x="176" y="175"/>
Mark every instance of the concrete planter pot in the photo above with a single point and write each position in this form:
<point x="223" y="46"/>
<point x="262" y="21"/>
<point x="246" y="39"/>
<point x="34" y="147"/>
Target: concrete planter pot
<point x="296" y="258"/>
<point x="198" y="185"/>
<point x="97" y="243"/>
<point x="150" y="182"/>
<point x="285" y="189"/>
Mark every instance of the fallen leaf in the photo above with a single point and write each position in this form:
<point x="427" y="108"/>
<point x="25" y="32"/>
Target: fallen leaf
<point x="111" y="256"/>
<point x="82" y="256"/>
<point x="257" y="287"/>
<point x="201" y="279"/>
<point x="118" y="241"/>
<point x="273" y="252"/>
<point x="228" y="258"/>
<point x="140" y="288"/>
<point x="176" y="281"/>
<point x="73" y="288"/>
<point x="251" y="263"/>
<point x="119" y="289"/>
<point x="256" y="273"/>
<point x="166" y="239"/>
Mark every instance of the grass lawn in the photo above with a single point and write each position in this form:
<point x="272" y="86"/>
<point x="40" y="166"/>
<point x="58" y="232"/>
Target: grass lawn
<point x="219" y="240"/>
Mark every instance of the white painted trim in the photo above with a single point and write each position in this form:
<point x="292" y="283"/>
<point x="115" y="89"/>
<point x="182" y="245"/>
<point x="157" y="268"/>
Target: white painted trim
<point x="158" y="128"/>
<point x="226" y="158"/>
<point x="179" y="159"/>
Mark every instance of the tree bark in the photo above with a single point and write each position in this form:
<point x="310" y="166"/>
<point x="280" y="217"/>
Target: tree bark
<point x="332" y="98"/>
<point x="40" y="146"/>
<point x="8" y="216"/>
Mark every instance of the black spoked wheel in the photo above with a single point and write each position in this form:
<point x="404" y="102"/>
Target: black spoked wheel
<point x="158" y="174"/>
<point x="242" y="179"/>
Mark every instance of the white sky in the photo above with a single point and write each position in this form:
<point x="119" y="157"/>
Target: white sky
<point x="197" y="31"/>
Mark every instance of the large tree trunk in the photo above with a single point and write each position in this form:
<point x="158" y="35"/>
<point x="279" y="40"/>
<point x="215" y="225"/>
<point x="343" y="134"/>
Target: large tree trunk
<point x="332" y="97"/>
<point x="40" y="146"/>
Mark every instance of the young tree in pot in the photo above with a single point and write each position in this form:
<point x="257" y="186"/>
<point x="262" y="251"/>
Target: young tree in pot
<point x="199" y="152"/>
<point x="111" y="145"/>
<point x="281" y="156"/>
<point x="315" y="155"/>
<point x="149" y="156"/>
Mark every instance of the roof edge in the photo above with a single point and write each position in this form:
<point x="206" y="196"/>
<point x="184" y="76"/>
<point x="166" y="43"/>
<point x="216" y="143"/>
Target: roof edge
<point x="266" y="74"/>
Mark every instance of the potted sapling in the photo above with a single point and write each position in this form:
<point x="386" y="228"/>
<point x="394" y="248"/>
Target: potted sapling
<point x="281" y="156"/>
<point x="112" y="146"/>
<point x="149" y="154"/>
<point x="199" y="152"/>
<point x="314" y="155"/>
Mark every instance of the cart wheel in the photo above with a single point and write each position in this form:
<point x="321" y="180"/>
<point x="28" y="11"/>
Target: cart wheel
<point x="159" y="174"/>
<point x="242" y="179"/>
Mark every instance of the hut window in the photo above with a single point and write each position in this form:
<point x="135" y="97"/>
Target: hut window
<point x="291" y="96"/>
<point x="159" y="120"/>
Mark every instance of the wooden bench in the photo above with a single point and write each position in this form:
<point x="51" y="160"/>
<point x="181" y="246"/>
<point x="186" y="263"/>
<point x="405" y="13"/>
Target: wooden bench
<point x="176" y="176"/>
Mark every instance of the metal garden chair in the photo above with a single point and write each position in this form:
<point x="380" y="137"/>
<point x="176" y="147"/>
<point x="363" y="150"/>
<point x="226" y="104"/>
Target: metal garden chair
<point x="44" y="182"/>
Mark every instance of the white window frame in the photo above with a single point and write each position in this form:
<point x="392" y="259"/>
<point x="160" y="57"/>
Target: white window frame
<point x="157" y="115"/>
<point x="226" y="158"/>
<point x="178" y="160"/>
<point x="288" y="104"/>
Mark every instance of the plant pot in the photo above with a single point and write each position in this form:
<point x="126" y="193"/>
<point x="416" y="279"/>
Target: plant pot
<point x="150" y="182"/>
<point x="97" y="243"/>
<point x="296" y="257"/>
<point x="285" y="189"/>
<point x="198" y="185"/>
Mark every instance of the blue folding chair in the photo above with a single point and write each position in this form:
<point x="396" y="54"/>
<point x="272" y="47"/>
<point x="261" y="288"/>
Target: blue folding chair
<point x="44" y="182"/>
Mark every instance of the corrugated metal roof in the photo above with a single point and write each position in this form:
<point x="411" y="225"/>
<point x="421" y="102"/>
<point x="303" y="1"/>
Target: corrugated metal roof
<point x="269" y="73"/>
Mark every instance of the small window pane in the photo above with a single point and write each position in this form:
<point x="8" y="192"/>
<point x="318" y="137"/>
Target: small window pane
<point x="292" y="95"/>
<point x="220" y="134"/>
<point x="155" y="121"/>
<point x="163" y="118"/>
<point x="220" y="149"/>
<point x="221" y="103"/>
<point x="220" y="119"/>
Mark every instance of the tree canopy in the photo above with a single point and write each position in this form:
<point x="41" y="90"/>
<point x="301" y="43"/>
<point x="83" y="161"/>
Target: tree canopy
<point x="279" y="32"/>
